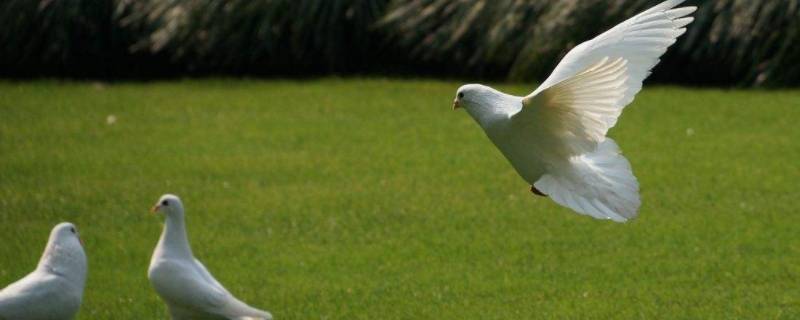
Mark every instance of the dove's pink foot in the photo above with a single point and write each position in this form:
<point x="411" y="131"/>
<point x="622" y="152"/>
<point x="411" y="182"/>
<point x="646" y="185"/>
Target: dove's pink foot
<point x="537" y="192"/>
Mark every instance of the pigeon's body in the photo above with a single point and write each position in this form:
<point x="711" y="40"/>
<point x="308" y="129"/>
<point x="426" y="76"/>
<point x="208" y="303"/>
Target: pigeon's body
<point x="188" y="289"/>
<point x="55" y="289"/>
<point x="555" y="137"/>
<point x="510" y="139"/>
<point x="40" y="296"/>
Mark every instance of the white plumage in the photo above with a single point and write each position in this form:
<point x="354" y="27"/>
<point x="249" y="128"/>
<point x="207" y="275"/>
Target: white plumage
<point x="188" y="289"/>
<point x="556" y="137"/>
<point x="55" y="289"/>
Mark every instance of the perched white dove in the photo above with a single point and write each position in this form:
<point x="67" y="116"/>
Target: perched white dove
<point x="188" y="289"/>
<point x="555" y="137"/>
<point x="55" y="289"/>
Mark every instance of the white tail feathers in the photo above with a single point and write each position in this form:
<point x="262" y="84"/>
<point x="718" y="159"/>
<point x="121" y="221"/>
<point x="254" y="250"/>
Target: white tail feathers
<point x="264" y="317"/>
<point x="599" y="184"/>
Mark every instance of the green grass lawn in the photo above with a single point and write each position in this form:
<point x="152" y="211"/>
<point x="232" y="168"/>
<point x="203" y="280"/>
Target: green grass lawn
<point x="372" y="199"/>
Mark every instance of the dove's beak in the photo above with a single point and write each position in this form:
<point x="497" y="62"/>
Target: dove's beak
<point x="455" y="104"/>
<point x="155" y="208"/>
<point x="81" y="241"/>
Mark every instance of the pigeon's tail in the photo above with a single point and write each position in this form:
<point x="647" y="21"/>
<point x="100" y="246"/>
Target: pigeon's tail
<point x="265" y="316"/>
<point x="599" y="184"/>
<point x="241" y="311"/>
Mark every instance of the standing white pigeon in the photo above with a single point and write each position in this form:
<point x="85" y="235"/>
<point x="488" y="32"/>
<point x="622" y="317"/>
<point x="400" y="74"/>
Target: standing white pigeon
<point x="55" y="289"/>
<point x="189" y="290"/>
<point x="556" y="138"/>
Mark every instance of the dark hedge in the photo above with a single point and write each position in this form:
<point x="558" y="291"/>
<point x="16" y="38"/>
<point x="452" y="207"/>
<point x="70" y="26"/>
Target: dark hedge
<point x="731" y="42"/>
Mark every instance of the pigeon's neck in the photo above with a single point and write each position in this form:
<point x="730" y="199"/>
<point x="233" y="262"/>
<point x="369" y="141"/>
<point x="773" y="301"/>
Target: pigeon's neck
<point x="493" y="107"/>
<point x="487" y="117"/>
<point x="65" y="260"/>
<point x="174" y="241"/>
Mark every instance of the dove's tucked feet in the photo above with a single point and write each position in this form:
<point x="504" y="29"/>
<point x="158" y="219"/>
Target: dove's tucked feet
<point x="537" y="192"/>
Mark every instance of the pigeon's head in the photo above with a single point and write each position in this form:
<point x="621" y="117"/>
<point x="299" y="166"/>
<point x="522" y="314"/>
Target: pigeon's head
<point x="168" y="204"/>
<point x="475" y="97"/>
<point x="64" y="254"/>
<point x="65" y="234"/>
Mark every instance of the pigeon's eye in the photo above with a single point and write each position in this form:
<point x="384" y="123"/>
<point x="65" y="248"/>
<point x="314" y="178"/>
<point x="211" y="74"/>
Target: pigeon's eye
<point x="165" y="203"/>
<point x="72" y="229"/>
<point x="460" y="95"/>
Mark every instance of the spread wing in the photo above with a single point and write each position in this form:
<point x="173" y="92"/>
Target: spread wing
<point x="641" y="40"/>
<point x="573" y="109"/>
<point x="572" y="117"/>
<point x="598" y="78"/>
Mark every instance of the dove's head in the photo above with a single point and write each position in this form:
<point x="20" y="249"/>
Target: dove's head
<point x="169" y="205"/>
<point x="470" y="96"/>
<point x="64" y="253"/>
<point x="481" y="102"/>
<point x="65" y="234"/>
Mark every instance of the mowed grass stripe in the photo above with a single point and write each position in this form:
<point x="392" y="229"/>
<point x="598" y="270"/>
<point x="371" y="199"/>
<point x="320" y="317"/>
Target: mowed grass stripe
<point x="372" y="199"/>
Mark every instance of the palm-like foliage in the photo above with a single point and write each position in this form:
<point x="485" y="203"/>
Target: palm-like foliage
<point x="62" y="36"/>
<point x="731" y="42"/>
<point x="80" y="38"/>
<point x="262" y="36"/>
<point x="748" y="42"/>
<point x="751" y="40"/>
<point x="521" y="39"/>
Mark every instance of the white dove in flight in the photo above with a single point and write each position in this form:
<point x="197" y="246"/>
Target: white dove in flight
<point x="55" y="289"/>
<point x="188" y="289"/>
<point x="555" y="137"/>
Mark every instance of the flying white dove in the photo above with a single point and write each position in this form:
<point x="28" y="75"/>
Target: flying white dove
<point x="188" y="289"/>
<point x="555" y="137"/>
<point x="55" y="289"/>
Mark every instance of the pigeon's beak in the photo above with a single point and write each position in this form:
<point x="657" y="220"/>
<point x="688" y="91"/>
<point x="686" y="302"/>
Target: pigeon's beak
<point x="155" y="208"/>
<point x="81" y="241"/>
<point x="455" y="104"/>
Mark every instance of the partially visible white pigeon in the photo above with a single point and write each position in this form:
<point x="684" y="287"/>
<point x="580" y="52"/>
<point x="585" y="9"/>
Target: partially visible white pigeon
<point x="555" y="137"/>
<point x="188" y="289"/>
<point x="55" y="289"/>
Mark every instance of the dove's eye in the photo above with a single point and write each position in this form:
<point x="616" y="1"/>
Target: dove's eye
<point x="460" y="95"/>
<point x="165" y="203"/>
<point x="72" y="229"/>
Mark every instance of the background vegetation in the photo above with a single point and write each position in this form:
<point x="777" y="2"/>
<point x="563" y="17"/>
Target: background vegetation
<point x="732" y="42"/>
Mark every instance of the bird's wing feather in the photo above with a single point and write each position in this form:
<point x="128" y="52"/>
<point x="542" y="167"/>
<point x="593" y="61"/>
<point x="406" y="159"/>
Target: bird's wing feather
<point x="210" y="295"/>
<point x="201" y="269"/>
<point x="573" y="109"/>
<point x="598" y="184"/>
<point x="618" y="60"/>
<point x="568" y="122"/>
<point x="572" y="117"/>
<point x="182" y="284"/>
<point x="233" y="307"/>
<point x="34" y="295"/>
<point x="17" y="295"/>
<point x="640" y="40"/>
